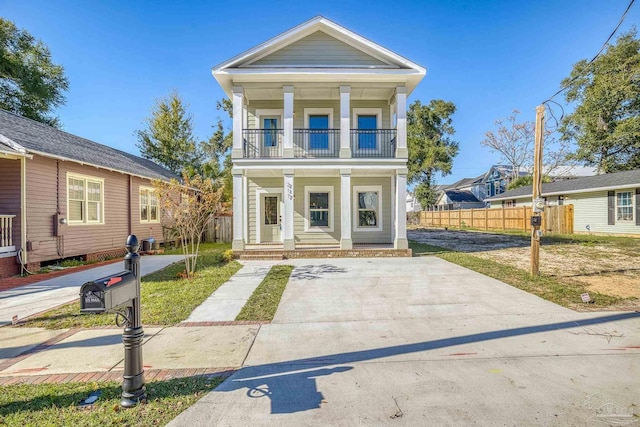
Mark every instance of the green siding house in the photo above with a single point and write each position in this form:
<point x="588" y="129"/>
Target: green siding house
<point x="319" y="140"/>
<point x="608" y="204"/>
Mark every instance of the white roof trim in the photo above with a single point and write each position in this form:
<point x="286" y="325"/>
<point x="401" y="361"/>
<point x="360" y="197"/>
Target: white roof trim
<point x="12" y="144"/>
<point x="561" y="193"/>
<point x="315" y="24"/>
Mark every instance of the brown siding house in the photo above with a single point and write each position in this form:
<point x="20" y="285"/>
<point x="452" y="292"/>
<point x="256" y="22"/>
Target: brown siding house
<point x="64" y="196"/>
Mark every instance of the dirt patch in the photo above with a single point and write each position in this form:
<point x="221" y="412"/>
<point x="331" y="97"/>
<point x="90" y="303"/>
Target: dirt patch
<point x="466" y="241"/>
<point x="617" y="285"/>
<point x="607" y="267"/>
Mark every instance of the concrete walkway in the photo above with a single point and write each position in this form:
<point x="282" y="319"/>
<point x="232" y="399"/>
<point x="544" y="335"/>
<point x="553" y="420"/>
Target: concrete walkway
<point x="227" y="301"/>
<point x="420" y="341"/>
<point x="35" y="298"/>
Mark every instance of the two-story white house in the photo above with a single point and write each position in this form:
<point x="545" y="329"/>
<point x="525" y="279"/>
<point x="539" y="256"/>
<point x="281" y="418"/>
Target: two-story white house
<point x="319" y="140"/>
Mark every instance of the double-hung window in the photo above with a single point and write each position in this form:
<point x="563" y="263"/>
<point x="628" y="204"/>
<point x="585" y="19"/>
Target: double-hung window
<point x="319" y="209"/>
<point x="148" y="205"/>
<point x="624" y="206"/>
<point x="367" y="213"/>
<point x="85" y="199"/>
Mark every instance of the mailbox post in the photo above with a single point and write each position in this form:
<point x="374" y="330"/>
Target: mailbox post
<point x="115" y="293"/>
<point x="133" y="388"/>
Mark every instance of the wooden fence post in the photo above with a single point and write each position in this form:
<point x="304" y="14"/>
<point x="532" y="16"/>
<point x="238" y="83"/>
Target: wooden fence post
<point x="503" y="217"/>
<point x="524" y="219"/>
<point x="486" y="219"/>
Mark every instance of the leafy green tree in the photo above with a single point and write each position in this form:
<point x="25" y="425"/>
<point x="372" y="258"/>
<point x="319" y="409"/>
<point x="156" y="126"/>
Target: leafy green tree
<point x="218" y="152"/>
<point x="31" y="85"/>
<point x="431" y="148"/>
<point x="606" y="122"/>
<point x="168" y="139"/>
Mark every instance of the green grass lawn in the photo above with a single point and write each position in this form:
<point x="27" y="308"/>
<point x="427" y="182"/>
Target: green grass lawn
<point x="560" y="291"/>
<point x="56" y="404"/>
<point x="167" y="298"/>
<point x="265" y="299"/>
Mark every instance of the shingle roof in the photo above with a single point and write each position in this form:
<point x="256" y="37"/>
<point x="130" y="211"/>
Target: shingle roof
<point x="461" y="196"/>
<point x="40" y="138"/>
<point x="578" y="185"/>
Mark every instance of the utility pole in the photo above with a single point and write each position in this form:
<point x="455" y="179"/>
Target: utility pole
<point x="537" y="202"/>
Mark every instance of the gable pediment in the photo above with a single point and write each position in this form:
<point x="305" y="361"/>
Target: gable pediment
<point x="319" y="49"/>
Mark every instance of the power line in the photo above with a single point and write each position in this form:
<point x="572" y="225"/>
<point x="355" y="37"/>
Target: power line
<point x="604" y="45"/>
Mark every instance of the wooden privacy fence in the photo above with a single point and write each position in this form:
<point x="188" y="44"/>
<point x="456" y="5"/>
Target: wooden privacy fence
<point x="219" y="229"/>
<point x="555" y="219"/>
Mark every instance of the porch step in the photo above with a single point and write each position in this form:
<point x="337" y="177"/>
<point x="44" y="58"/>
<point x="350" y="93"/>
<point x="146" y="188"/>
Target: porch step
<point x="265" y="255"/>
<point x="279" y="254"/>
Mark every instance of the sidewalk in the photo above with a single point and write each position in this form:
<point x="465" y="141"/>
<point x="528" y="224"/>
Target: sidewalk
<point x="28" y="300"/>
<point x="35" y="355"/>
<point x="227" y="301"/>
<point x="208" y="342"/>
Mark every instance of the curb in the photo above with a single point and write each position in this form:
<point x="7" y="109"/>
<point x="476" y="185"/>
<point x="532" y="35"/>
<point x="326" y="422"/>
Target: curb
<point x="84" y="377"/>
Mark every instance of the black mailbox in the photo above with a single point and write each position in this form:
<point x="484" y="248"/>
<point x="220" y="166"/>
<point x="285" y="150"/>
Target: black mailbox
<point x="536" y="221"/>
<point x="108" y="293"/>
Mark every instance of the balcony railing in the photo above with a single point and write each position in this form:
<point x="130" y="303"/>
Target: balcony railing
<point x="316" y="143"/>
<point x="373" y="143"/>
<point x="6" y="231"/>
<point x="319" y="143"/>
<point x="262" y="143"/>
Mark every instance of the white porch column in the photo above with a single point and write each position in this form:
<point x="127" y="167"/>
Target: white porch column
<point x="289" y="243"/>
<point x="288" y="122"/>
<point x="237" y="95"/>
<point x="345" y="122"/>
<point x="401" y="123"/>
<point x="345" y="209"/>
<point x="238" y="211"/>
<point x="400" y="241"/>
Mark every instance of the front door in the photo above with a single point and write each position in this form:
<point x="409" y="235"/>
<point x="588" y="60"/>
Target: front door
<point x="318" y="135"/>
<point x="270" y="226"/>
<point x="270" y="137"/>
<point x="367" y="126"/>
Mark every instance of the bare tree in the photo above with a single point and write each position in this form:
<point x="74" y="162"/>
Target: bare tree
<point x="515" y="141"/>
<point x="187" y="208"/>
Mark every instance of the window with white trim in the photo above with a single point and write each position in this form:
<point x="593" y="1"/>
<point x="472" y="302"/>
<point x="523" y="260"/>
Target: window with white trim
<point x="85" y="196"/>
<point x="367" y="203"/>
<point x="148" y="205"/>
<point x="319" y="210"/>
<point x="624" y="206"/>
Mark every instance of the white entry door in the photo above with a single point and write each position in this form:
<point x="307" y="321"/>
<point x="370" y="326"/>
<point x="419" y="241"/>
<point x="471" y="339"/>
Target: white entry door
<point x="271" y="221"/>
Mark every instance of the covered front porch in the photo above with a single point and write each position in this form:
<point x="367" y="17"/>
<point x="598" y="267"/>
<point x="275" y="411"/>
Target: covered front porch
<point x="315" y="208"/>
<point x="12" y="199"/>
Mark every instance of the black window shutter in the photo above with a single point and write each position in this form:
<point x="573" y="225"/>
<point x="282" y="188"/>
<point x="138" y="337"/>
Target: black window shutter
<point x="637" y="206"/>
<point x="612" y="207"/>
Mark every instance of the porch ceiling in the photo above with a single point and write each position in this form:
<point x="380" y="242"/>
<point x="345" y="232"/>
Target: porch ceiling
<point x="318" y="173"/>
<point x="319" y="91"/>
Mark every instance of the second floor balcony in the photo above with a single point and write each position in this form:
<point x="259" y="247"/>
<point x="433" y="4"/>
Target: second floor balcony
<point x="319" y="143"/>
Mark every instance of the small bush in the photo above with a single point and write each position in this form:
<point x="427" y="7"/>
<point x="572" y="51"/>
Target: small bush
<point x="228" y="255"/>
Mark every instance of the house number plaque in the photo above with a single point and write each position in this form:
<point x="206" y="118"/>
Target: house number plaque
<point x="289" y="191"/>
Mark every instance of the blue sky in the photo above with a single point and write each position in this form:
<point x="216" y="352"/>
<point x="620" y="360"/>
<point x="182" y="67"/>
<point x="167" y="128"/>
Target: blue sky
<point x="488" y="57"/>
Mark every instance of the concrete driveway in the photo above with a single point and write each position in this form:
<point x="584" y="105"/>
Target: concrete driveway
<point x="420" y="341"/>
